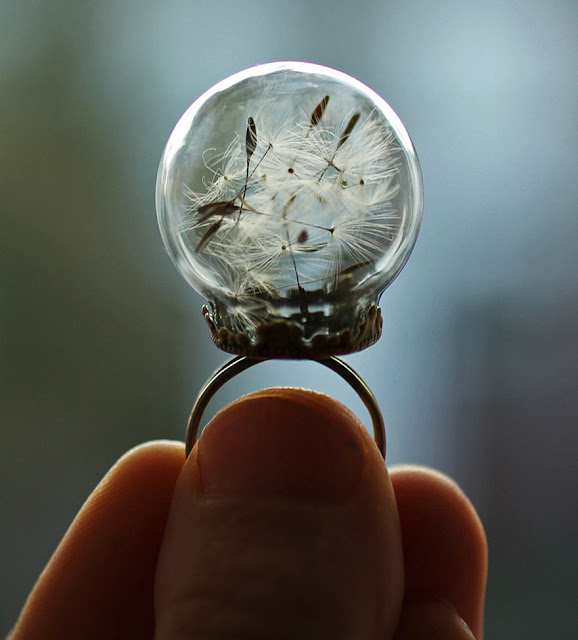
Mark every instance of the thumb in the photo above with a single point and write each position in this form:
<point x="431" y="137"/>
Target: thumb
<point x="283" y="524"/>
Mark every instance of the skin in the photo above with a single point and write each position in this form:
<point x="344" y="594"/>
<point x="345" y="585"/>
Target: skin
<point x="283" y="523"/>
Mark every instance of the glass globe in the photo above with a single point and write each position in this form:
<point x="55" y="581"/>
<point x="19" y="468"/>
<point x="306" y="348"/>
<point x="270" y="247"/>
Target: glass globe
<point x="289" y="196"/>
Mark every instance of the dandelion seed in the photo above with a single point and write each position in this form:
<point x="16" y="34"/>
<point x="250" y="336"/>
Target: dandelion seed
<point x="209" y="233"/>
<point x="215" y="209"/>
<point x="348" y="129"/>
<point x="319" y="111"/>
<point x="311" y="248"/>
<point x="250" y="138"/>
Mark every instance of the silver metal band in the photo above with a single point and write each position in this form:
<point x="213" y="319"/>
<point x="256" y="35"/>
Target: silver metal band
<point x="239" y="364"/>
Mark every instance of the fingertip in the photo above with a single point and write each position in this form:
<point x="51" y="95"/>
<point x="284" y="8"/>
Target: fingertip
<point x="445" y="547"/>
<point x="311" y="404"/>
<point x="415" y="483"/>
<point x="285" y="487"/>
<point x="431" y="620"/>
<point x="149" y="463"/>
<point x="101" y="575"/>
<point x="283" y="442"/>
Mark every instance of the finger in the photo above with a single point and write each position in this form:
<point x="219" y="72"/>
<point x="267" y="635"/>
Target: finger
<point x="283" y="524"/>
<point x="444" y="544"/>
<point x="431" y="620"/>
<point x="99" y="582"/>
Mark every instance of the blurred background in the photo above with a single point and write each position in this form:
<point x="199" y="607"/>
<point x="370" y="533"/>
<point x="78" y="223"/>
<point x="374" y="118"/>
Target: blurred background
<point x="102" y="344"/>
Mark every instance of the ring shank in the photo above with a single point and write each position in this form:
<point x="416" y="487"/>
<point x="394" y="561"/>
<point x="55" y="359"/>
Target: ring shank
<point x="241" y="363"/>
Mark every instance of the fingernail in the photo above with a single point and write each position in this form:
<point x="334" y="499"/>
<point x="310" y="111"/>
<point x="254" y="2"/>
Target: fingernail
<point x="286" y="443"/>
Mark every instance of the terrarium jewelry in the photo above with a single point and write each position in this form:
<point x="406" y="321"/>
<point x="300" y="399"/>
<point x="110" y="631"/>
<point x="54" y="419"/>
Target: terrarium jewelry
<point x="290" y="196"/>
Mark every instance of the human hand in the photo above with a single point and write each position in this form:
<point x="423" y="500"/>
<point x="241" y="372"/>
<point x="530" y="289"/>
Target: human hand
<point x="283" y="523"/>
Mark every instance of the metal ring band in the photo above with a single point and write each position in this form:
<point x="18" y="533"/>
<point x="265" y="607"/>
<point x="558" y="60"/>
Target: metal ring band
<point x="240" y="363"/>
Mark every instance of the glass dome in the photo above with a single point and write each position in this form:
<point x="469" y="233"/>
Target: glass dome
<point x="289" y="196"/>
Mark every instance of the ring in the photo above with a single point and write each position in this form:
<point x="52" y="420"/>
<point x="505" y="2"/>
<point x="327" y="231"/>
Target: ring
<point x="241" y="363"/>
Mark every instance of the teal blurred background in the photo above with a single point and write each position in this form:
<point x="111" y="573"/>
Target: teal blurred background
<point x="102" y="344"/>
